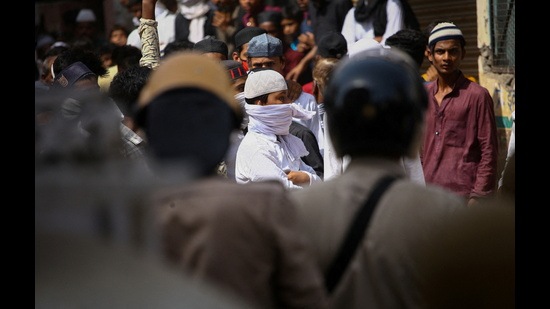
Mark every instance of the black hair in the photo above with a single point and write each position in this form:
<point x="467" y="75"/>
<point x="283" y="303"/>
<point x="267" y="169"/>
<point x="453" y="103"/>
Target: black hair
<point x="413" y="42"/>
<point x="126" y="56"/>
<point x="132" y="2"/>
<point x="89" y="58"/>
<point x="126" y="87"/>
<point x="116" y="27"/>
<point x="106" y="49"/>
<point x="292" y="11"/>
<point x="55" y="51"/>
<point x="178" y="45"/>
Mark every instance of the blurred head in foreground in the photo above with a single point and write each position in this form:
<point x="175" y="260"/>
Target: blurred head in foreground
<point x="188" y="111"/>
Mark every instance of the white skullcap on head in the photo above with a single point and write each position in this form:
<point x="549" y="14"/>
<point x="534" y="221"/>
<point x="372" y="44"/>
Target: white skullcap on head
<point x="85" y="15"/>
<point x="263" y="82"/>
<point x="444" y="31"/>
<point x="60" y="43"/>
<point x="364" y="44"/>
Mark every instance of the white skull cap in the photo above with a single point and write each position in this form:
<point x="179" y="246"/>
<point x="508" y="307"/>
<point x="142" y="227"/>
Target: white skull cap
<point x="263" y="82"/>
<point x="362" y="45"/>
<point x="85" y="15"/>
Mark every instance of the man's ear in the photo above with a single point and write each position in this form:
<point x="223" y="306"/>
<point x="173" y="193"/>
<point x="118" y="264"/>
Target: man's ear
<point x="428" y="55"/>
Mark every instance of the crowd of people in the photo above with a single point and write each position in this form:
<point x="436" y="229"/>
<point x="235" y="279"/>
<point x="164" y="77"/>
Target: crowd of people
<point x="272" y="154"/>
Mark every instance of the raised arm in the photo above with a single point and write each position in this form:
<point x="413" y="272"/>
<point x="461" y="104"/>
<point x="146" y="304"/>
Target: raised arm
<point x="150" y="50"/>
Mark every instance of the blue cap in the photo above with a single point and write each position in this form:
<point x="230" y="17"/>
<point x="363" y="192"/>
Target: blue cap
<point x="265" y="45"/>
<point x="71" y="74"/>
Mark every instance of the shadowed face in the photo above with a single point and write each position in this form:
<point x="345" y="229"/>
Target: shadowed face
<point x="85" y="29"/>
<point x="238" y="85"/>
<point x="119" y="38"/>
<point x="275" y="63"/>
<point x="250" y="5"/>
<point x="291" y="28"/>
<point x="272" y="29"/>
<point x="446" y="56"/>
<point x="242" y="56"/>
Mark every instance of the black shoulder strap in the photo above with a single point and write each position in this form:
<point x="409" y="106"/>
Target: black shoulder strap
<point x="355" y="234"/>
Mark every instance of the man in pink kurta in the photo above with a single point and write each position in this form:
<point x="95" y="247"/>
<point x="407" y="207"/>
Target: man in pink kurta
<point x="460" y="143"/>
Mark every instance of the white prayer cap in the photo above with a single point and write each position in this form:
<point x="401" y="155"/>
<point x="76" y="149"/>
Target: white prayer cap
<point x="263" y="82"/>
<point x="85" y="15"/>
<point x="364" y="44"/>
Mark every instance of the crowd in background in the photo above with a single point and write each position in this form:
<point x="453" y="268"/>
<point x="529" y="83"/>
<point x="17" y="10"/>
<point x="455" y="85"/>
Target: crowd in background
<point x="227" y="152"/>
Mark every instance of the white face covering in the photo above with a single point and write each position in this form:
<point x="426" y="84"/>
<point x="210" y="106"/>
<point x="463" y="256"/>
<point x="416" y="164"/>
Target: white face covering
<point x="276" y="119"/>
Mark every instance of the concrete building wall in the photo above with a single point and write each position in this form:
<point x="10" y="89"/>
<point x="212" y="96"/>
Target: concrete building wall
<point x="500" y="85"/>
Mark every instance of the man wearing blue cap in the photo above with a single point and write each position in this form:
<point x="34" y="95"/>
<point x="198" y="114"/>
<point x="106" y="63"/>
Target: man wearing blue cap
<point x="460" y="143"/>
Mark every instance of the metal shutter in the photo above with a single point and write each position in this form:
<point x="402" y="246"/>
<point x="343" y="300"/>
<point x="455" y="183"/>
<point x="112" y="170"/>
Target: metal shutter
<point x="464" y="14"/>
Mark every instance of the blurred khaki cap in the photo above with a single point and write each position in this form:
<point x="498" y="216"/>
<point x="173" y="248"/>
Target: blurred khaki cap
<point x="189" y="69"/>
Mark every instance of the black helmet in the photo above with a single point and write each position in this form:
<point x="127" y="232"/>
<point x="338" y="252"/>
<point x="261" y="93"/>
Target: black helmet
<point x="375" y="103"/>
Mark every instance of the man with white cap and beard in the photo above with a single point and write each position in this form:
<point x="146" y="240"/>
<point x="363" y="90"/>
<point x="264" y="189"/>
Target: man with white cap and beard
<point x="241" y="238"/>
<point x="87" y="28"/>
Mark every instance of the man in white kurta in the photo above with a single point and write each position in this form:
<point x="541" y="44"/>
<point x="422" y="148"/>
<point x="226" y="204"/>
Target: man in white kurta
<point x="268" y="151"/>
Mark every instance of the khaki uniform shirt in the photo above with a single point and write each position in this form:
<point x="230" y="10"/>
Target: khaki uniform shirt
<point x="382" y="273"/>
<point x="243" y="238"/>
